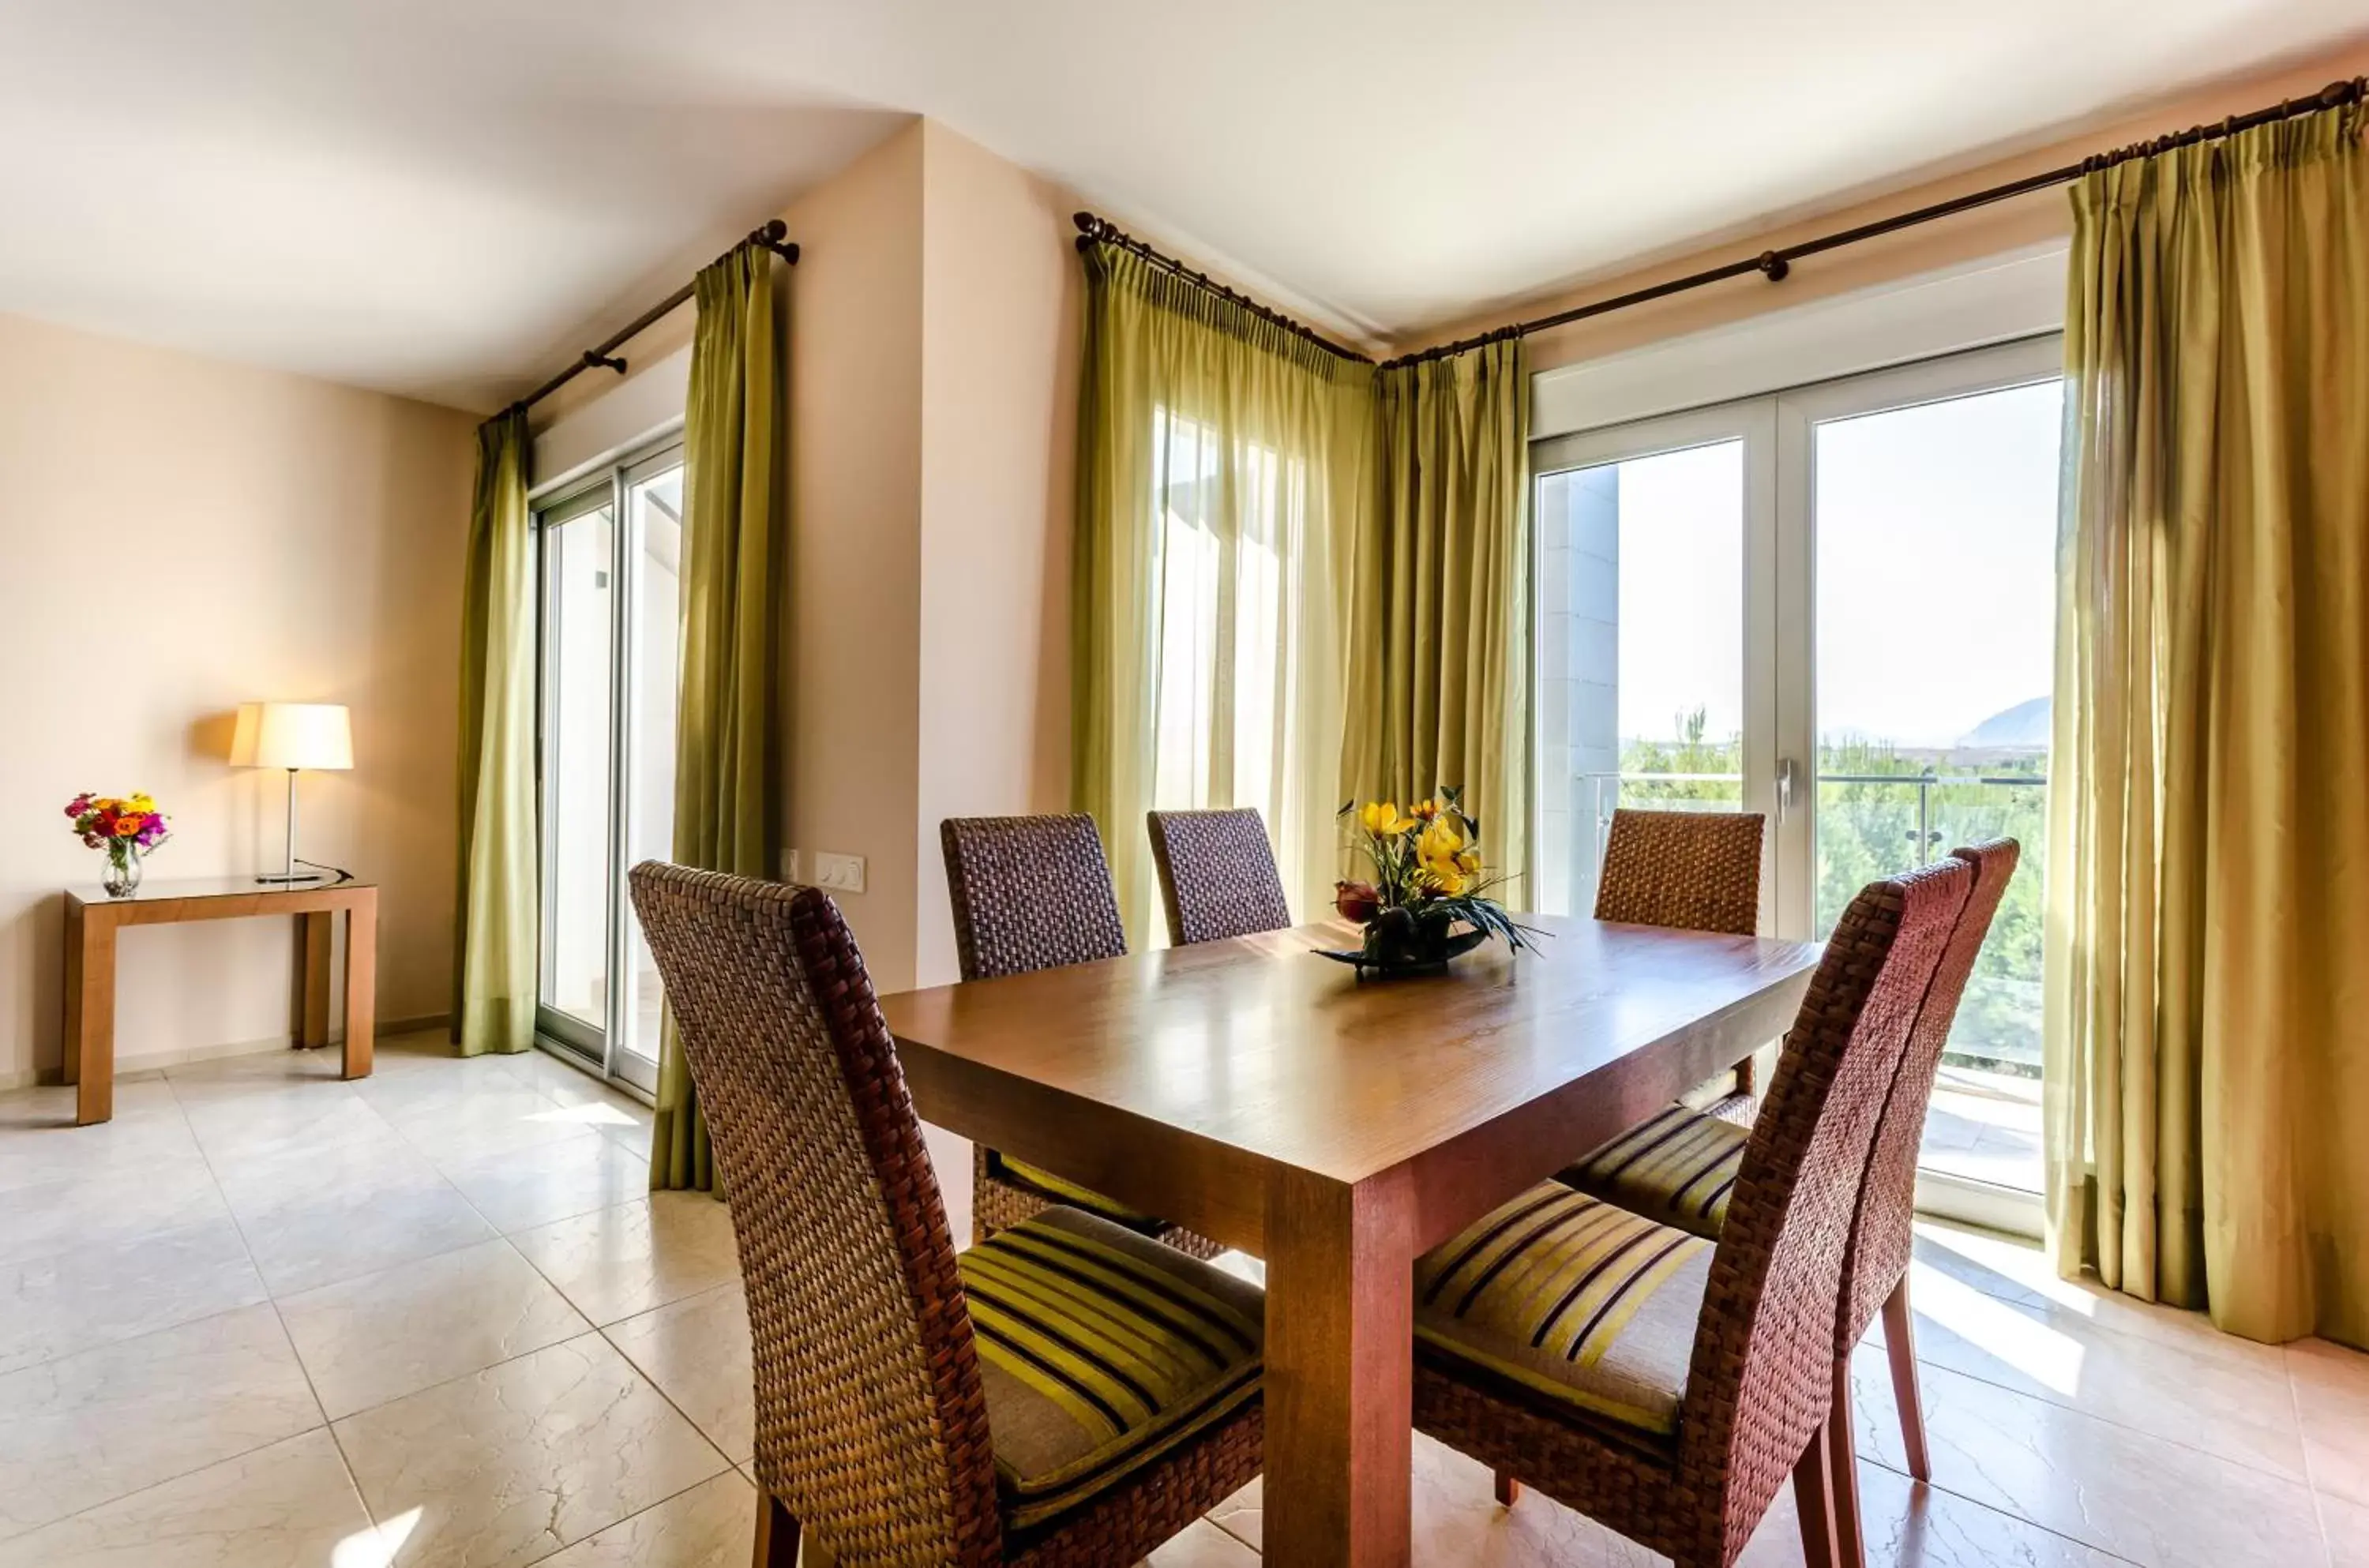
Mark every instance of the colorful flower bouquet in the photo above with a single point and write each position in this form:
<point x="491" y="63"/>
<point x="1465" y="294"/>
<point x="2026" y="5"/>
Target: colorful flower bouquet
<point x="1429" y="898"/>
<point x="126" y="830"/>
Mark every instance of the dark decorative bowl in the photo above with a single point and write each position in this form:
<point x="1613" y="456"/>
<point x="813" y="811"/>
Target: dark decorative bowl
<point x="1398" y="942"/>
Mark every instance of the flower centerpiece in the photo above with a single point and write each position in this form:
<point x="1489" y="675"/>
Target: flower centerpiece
<point x="125" y="828"/>
<point x="1428" y="900"/>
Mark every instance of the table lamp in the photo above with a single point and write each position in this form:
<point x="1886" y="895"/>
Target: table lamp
<point x="293" y="736"/>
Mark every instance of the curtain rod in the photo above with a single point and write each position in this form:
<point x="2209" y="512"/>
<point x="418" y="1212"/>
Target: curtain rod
<point x="1775" y="264"/>
<point x="770" y="234"/>
<point x="1093" y="230"/>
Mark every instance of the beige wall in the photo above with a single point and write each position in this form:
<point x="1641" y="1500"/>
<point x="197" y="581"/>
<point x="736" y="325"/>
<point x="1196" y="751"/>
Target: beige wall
<point x="1000" y="311"/>
<point x="855" y="507"/>
<point x="1929" y="248"/>
<point x="179" y="535"/>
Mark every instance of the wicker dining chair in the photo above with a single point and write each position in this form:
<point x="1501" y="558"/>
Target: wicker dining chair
<point x="1691" y="871"/>
<point x="1217" y="875"/>
<point x="1663" y="1385"/>
<point x="1680" y="1168"/>
<point x="1034" y="893"/>
<point x="1069" y="1393"/>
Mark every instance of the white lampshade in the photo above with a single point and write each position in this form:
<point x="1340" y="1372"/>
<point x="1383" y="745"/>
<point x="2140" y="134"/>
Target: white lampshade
<point x="292" y="735"/>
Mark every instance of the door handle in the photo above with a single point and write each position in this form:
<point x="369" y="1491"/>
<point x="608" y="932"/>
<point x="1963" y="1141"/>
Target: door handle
<point x="1784" y="788"/>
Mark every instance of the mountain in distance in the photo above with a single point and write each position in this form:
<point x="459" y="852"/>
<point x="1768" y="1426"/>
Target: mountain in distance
<point x="2024" y="726"/>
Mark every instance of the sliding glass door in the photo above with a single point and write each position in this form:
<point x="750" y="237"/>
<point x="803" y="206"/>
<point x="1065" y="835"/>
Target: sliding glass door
<point x="1837" y="606"/>
<point x="609" y="559"/>
<point x="1655" y="675"/>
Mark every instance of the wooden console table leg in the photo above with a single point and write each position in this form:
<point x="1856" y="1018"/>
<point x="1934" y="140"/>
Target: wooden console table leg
<point x="91" y="1045"/>
<point x="361" y="984"/>
<point x="313" y="941"/>
<point x="69" y="1036"/>
<point x="1340" y="1378"/>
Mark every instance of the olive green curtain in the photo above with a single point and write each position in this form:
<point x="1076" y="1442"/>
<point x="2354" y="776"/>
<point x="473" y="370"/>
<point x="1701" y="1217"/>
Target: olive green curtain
<point x="1219" y="457"/>
<point x="494" y="933"/>
<point x="728" y="731"/>
<point x="1439" y="620"/>
<point x="2207" y="1079"/>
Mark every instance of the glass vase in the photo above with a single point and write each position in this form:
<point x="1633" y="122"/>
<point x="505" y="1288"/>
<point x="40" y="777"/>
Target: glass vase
<point x="123" y="868"/>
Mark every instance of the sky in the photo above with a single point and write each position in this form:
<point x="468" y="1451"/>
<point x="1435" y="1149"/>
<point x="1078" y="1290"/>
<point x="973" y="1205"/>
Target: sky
<point x="1933" y="536"/>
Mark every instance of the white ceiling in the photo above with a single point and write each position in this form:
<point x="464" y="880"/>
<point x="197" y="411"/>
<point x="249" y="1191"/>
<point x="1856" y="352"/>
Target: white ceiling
<point x="448" y="197"/>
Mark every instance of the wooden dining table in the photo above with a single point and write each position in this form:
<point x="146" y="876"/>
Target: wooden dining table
<point x="1337" y="1127"/>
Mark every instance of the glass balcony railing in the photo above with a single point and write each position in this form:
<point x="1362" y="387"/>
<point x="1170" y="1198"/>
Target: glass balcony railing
<point x="1873" y="824"/>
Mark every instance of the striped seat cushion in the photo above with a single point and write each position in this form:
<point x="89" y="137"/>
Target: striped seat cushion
<point x="1579" y="1303"/>
<point x="1038" y="1179"/>
<point x="1678" y="1168"/>
<point x="1100" y="1350"/>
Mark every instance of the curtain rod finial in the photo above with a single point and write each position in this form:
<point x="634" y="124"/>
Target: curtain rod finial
<point x="1087" y="223"/>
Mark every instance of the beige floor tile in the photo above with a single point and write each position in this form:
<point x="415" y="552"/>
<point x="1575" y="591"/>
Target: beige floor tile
<point x="289" y="1505"/>
<point x="40" y="1142"/>
<point x="615" y="1262"/>
<point x="1912" y="1526"/>
<point x="312" y="1120"/>
<point x="2132" y="1493"/>
<point x="2346" y="1528"/>
<point x="1457" y="1519"/>
<point x="506" y="1466"/>
<point x="259" y="1181"/>
<point x="2331" y="1394"/>
<point x="76" y="1213"/>
<point x="2238" y="1407"/>
<point x="88" y="1297"/>
<point x="379" y="1336"/>
<point x="1203" y="1545"/>
<point x="87" y="1429"/>
<point x="696" y="1351"/>
<point x="708" y="1527"/>
<point x="347" y="1232"/>
<point x="489" y="1122"/>
<point x="2017" y="1269"/>
<point x="526" y="1187"/>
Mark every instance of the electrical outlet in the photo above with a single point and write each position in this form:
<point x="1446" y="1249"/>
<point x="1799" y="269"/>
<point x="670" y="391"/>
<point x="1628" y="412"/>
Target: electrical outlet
<point x="792" y="866"/>
<point x="839" y="873"/>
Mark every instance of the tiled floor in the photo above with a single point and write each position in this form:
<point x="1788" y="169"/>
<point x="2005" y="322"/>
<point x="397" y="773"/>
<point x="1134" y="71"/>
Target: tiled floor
<point x="1985" y="1127"/>
<point x="266" y="1320"/>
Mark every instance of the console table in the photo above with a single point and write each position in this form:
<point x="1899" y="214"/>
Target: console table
<point x="93" y="919"/>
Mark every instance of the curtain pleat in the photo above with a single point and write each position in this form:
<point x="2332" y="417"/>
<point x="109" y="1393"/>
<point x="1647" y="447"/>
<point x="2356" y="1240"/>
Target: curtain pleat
<point x="1219" y="458"/>
<point x="495" y="934"/>
<point x="728" y="737"/>
<point x="2207" y="1009"/>
<point x="1440" y="617"/>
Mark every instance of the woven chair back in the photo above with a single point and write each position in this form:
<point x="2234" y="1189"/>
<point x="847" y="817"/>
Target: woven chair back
<point x="1690" y="870"/>
<point x="871" y="1420"/>
<point x="1029" y="893"/>
<point x="1886" y="1235"/>
<point x="1762" y="1374"/>
<point x="1217" y="875"/>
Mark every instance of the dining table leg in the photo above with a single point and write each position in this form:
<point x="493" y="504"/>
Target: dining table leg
<point x="1340" y="1371"/>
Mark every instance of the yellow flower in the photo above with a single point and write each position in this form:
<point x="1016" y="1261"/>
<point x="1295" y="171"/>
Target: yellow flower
<point x="1441" y="853"/>
<point x="142" y="802"/>
<point x="1468" y="861"/>
<point x="1425" y="811"/>
<point x="1381" y="819"/>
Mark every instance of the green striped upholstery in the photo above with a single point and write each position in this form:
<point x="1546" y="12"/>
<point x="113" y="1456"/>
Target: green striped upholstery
<point x="1046" y="1183"/>
<point x="1577" y="1302"/>
<point x="1100" y="1351"/>
<point x="1678" y="1168"/>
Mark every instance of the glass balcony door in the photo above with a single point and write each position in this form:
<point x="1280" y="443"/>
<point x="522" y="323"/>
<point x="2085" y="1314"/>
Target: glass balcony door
<point x="1834" y="606"/>
<point x="1916" y="572"/>
<point x="611" y="662"/>
<point x="1655" y="632"/>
